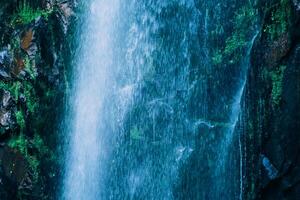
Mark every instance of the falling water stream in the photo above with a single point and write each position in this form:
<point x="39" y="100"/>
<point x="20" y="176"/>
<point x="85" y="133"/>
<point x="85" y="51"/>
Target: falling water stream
<point x="140" y="94"/>
<point x="92" y="87"/>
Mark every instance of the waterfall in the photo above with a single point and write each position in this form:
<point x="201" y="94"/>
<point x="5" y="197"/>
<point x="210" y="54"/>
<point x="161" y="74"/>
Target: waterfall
<point x="92" y="86"/>
<point x="237" y="114"/>
<point x="150" y="118"/>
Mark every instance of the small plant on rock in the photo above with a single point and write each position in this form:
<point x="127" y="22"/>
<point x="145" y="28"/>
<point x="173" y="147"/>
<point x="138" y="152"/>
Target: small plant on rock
<point x="26" y="14"/>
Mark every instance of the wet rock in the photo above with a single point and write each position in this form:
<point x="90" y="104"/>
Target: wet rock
<point x="5" y="58"/>
<point x="7" y="99"/>
<point x="7" y="119"/>
<point x="277" y="50"/>
<point x="64" y="14"/>
<point x="273" y="138"/>
<point x="66" y="9"/>
<point x="14" y="164"/>
<point x="296" y="4"/>
<point x="4" y="74"/>
<point x="13" y="171"/>
<point x="27" y="39"/>
<point x="28" y="44"/>
<point x="269" y="167"/>
<point x="42" y="41"/>
<point x="5" y="64"/>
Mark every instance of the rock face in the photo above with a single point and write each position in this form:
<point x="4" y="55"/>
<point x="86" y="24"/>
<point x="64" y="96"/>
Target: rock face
<point x="13" y="173"/>
<point x="33" y="57"/>
<point x="271" y="109"/>
<point x="7" y="109"/>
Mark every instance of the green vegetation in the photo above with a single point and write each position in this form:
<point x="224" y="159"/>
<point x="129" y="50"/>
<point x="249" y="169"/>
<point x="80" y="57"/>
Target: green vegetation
<point x="244" y="18"/>
<point x="136" y="133"/>
<point x="13" y="88"/>
<point x="279" y="20"/>
<point x="30" y="105"/>
<point x="26" y="14"/>
<point x="26" y="88"/>
<point x="217" y="57"/>
<point x="234" y="45"/>
<point x="38" y="143"/>
<point x="21" y="143"/>
<point x="277" y="84"/>
<point x="31" y="100"/>
<point x="29" y="67"/>
<point x="15" y="42"/>
<point x="20" y="120"/>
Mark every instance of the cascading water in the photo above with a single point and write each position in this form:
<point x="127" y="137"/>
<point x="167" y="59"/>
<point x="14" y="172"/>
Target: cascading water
<point x="92" y="83"/>
<point x="226" y="144"/>
<point x="149" y="120"/>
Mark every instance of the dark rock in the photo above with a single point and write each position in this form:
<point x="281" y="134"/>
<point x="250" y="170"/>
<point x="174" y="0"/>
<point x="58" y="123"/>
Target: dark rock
<point x="13" y="171"/>
<point x="4" y="74"/>
<point x="296" y="4"/>
<point x="28" y="44"/>
<point x="7" y="109"/>
<point x="269" y="167"/>
<point x="272" y="130"/>
<point x="42" y="83"/>
<point x="6" y="116"/>
<point x="66" y="11"/>
<point x="5" y="64"/>
<point x="7" y="100"/>
<point x="5" y="119"/>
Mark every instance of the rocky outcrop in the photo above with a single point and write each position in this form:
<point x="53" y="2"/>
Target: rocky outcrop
<point x="7" y="110"/>
<point x="271" y="110"/>
<point x="33" y="81"/>
<point x="13" y="173"/>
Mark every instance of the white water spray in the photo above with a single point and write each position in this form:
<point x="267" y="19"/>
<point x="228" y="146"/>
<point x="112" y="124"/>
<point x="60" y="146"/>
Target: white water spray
<point x="91" y="86"/>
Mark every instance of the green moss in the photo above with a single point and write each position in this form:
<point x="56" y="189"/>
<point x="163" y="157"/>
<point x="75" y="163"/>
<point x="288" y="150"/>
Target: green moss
<point x="12" y="87"/>
<point x="217" y="57"/>
<point x="4" y="86"/>
<point x="16" y="89"/>
<point x="26" y="14"/>
<point x="277" y="84"/>
<point x="20" y="143"/>
<point x="31" y="99"/>
<point x="279" y="20"/>
<point x="39" y="144"/>
<point x="29" y="67"/>
<point x="20" y="120"/>
<point x="136" y="133"/>
<point x="245" y="16"/>
<point x="15" y="42"/>
<point x="235" y="44"/>
<point x="244" y="19"/>
<point x="34" y="164"/>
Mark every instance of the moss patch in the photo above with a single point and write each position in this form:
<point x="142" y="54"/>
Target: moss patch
<point x="232" y="51"/>
<point x="277" y="84"/>
<point x="280" y="17"/>
<point x="26" y="14"/>
<point x="136" y="133"/>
